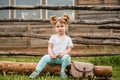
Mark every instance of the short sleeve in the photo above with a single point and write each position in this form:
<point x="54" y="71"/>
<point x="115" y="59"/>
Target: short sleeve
<point x="51" y="40"/>
<point x="70" y="43"/>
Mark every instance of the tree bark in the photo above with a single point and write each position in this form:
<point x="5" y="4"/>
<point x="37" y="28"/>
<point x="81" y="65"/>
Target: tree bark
<point x="25" y="68"/>
<point x="103" y="71"/>
<point x="28" y="68"/>
<point x="76" y="7"/>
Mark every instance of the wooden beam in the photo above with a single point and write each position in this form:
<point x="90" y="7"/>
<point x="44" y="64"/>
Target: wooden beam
<point x="72" y="55"/>
<point x="95" y="42"/>
<point x="87" y="22"/>
<point x="46" y="37"/>
<point x="101" y="37"/>
<point x="109" y="27"/>
<point x="39" y="36"/>
<point x="76" y="7"/>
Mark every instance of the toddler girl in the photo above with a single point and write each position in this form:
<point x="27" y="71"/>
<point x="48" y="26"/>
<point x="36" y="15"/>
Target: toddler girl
<point x="59" y="47"/>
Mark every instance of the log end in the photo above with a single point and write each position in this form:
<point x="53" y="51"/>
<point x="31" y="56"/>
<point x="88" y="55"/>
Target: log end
<point x="103" y="71"/>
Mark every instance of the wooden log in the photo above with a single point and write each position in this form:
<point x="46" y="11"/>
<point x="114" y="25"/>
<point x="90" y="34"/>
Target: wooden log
<point x="103" y="71"/>
<point x="72" y="55"/>
<point x="75" y="7"/>
<point x="42" y="36"/>
<point x="95" y="42"/>
<point x="101" y="37"/>
<point x="109" y="27"/>
<point x="32" y="35"/>
<point x="25" y="68"/>
<point x="87" y="22"/>
<point x="28" y="68"/>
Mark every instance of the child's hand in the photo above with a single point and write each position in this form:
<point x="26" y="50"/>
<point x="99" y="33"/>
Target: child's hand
<point x="59" y="55"/>
<point x="53" y="57"/>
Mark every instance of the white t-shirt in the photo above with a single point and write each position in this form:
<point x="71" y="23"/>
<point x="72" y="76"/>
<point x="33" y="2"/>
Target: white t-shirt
<point x="60" y="44"/>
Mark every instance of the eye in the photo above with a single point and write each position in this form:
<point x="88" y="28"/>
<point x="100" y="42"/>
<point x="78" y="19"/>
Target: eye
<point x="61" y="26"/>
<point x="57" y="26"/>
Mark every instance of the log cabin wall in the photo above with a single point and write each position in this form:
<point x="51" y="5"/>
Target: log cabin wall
<point x="75" y="30"/>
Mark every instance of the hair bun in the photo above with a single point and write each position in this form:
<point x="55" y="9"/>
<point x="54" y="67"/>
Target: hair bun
<point x="53" y="20"/>
<point x="67" y="18"/>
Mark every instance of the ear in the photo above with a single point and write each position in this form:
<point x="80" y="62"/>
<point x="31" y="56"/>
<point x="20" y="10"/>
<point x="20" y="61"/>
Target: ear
<point x="53" y="20"/>
<point x="67" y="18"/>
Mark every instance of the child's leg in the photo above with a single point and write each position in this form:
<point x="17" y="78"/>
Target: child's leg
<point x="66" y="59"/>
<point x="42" y="63"/>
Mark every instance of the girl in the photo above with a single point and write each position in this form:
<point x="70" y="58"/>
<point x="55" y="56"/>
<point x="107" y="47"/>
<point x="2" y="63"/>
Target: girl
<point x="58" y="48"/>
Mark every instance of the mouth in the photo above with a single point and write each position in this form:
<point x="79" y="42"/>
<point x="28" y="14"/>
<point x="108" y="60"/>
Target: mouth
<point x="60" y="31"/>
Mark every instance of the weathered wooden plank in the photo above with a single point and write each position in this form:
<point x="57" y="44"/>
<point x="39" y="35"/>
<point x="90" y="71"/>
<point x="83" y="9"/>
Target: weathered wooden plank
<point x="40" y="36"/>
<point x="41" y="26"/>
<point x="111" y="1"/>
<point x="116" y="31"/>
<point x="89" y="2"/>
<point x="109" y="27"/>
<point x="78" y="35"/>
<point x="89" y="28"/>
<point x="72" y="55"/>
<point x="39" y="43"/>
<point x="24" y="21"/>
<point x="5" y="41"/>
<point x="81" y="12"/>
<point x="47" y="36"/>
<point x="13" y="45"/>
<point x="75" y="7"/>
<point x="43" y="30"/>
<point x="13" y="28"/>
<point x="98" y="16"/>
<point x="87" y="22"/>
<point x="101" y="37"/>
<point x="95" y="42"/>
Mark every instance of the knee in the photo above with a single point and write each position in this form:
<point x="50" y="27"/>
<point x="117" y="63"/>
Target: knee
<point x="46" y="58"/>
<point x="67" y="57"/>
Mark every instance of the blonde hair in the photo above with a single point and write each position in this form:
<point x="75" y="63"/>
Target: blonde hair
<point x="65" y="19"/>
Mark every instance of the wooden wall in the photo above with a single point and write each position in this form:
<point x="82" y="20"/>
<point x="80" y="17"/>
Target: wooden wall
<point x="75" y="30"/>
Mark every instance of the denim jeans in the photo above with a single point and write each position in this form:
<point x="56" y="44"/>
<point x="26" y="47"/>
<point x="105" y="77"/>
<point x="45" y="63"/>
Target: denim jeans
<point x="46" y="59"/>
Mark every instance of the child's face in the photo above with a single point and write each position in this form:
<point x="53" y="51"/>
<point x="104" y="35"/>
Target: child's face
<point x="60" y="28"/>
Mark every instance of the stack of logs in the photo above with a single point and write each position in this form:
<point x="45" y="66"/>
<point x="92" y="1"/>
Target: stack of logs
<point x="103" y="72"/>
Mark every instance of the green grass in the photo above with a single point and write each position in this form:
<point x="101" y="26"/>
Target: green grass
<point x="113" y="61"/>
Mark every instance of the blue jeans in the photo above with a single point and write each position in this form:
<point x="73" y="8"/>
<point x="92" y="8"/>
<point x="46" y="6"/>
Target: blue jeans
<point x="46" y="59"/>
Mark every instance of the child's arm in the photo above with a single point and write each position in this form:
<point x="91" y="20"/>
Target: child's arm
<point x="50" y="52"/>
<point x="68" y="50"/>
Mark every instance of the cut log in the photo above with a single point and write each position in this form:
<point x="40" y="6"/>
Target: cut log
<point x="76" y="7"/>
<point x="103" y="71"/>
<point x="28" y="68"/>
<point x="25" y="68"/>
<point x="89" y="22"/>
